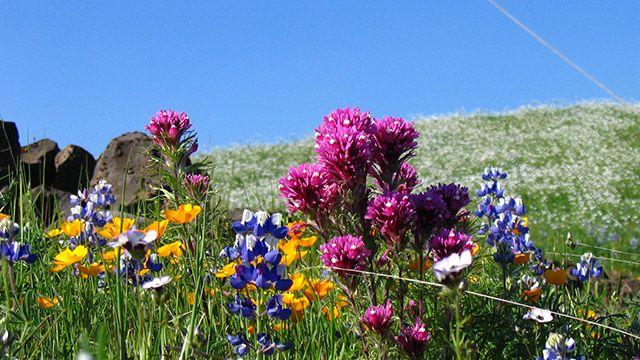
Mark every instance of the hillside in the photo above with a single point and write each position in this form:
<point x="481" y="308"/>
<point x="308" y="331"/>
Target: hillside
<point x="575" y="167"/>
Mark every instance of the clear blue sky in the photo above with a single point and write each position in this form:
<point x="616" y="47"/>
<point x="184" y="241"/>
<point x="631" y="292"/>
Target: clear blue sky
<point x="84" y="72"/>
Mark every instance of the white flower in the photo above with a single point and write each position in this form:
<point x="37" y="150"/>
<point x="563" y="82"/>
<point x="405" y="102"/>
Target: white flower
<point x="135" y="238"/>
<point x="156" y="283"/>
<point x="540" y="315"/>
<point x="453" y="263"/>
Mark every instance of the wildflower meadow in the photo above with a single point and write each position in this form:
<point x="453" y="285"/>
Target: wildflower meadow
<point x="365" y="260"/>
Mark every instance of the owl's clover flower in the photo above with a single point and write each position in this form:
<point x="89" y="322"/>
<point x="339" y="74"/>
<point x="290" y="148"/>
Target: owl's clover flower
<point x="168" y="126"/>
<point x="345" y="252"/>
<point x="393" y="214"/>
<point x="450" y="241"/>
<point x="404" y="180"/>
<point x="414" y="339"/>
<point x="394" y="142"/>
<point x="343" y="146"/>
<point x="196" y="184"/>
<point x="308" y="189"/>
<point x="378" y="318"/>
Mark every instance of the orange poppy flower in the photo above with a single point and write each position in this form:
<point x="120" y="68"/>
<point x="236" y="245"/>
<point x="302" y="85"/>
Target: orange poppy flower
<point x="91" y="270"/>
<point x="532" y="295"/>
<point x="158" y="226"/>
<point x="556" y="276"/>
<point x="47" y="303"/>
<point x="185" y="213"/>
<point x="521" y="258"/>
<point x="116" y="227"/>
<point x="72" y="229"/>
<point x="174" y="248"/>
<point x="68" y="257"/>
<point x="318" y="289"/>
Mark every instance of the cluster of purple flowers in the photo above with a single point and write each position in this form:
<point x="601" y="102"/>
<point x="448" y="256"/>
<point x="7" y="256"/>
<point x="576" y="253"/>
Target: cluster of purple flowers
<point x="505" y="226"/>
<point x="266" y="346"/>
<point x="414" y="339"/>
<point x="92" y="209"/>
<point x="394" y="214"/>
<point x="12" y="250"/>
<point x="257" y="236"/>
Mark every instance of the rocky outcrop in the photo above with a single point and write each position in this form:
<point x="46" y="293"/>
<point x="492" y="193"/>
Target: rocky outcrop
<point x="74" y="168"/>
<point x="38" y="161"/>
<point x="126" y="161"/>
<point x="9" y="151"/>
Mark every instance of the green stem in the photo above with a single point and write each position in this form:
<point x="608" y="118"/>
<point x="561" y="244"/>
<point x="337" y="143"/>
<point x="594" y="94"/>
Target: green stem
<point x="458" y="333"/>
<point x="5" y="280"/>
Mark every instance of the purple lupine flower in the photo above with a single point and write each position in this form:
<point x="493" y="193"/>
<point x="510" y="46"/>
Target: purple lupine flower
<point x="196" y="184"/>
<point x="393" y="214"/>
<point x="449" y="241"/>
<point x="243" y="306"/>
<point x="8" y="229"/>
<point x="378" y="318"/>
<point x="275" y="309"/>
<point x="168" y="126"/>
<point x="588" y="267"/>
<point x="455" y="196"/>
<point x="15" y="251"/>
<point x="413" y="339"/>
<point x="343" y="145"/>
<point x="240" y="344"/>
<point x="307" y="188"/>
<point x="345" y="252"/>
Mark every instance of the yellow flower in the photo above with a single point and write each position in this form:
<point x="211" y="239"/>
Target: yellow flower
<point x="116" y="227"/>
<point x="280" y="326"/>
<point x="185" y="214"/>
<point x="318" y="289"/>
<point x="308" y="241"/>
<point x="175" y="249"/>
<point x="158" y="226"/>
<point x="53" y="233"/>
<point x="4" y="216"/>
<point x="110" y="255"/>
<point x="91" y="270"/>
<point x="298" y="281"/>
<point x="72" y="229"/>
<point x="191" y="297"/>
<point x="227" y="270"/>
<point x="521" y="259"/>
<point x="556" y="276"/>
<point x="295" y="303"/>
<point x="47" y="303"/>
<point x="336" y="311"/>
<point x="68" y="257"/>
<point x="296" y="228"/>
<point x="290" y="252"/>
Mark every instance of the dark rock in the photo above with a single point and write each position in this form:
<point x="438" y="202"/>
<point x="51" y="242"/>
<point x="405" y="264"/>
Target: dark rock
<point x="39" y="162"/>
<point x="9" y="151"/>
<point x="74" y="169"/>
<point x="50" y="204"/>
<point x="127" y="156"/>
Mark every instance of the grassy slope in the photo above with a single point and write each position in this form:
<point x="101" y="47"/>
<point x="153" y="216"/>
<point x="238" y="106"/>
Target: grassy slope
<point x="558" y="160"/>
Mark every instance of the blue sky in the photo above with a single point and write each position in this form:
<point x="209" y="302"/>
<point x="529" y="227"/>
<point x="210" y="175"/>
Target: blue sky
<point x="246" y="72"/>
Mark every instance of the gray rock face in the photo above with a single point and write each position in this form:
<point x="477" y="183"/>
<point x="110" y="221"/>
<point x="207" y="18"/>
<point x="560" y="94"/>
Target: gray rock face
<point x="9" y="150"/>
<point x="50" y="203"/>
<point x="38" y="159"/>
<point x="127" y="156"/>
<point x="74" y="169"/>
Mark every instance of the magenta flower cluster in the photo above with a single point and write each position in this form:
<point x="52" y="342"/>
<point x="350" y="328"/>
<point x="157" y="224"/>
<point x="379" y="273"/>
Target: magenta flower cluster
<point x="168" y="126"/>
<point x="196" y="184"/>
<point x="414" y="339"/>
<point x="394" y="143"/>
<point x="393" y="214"/>
<point x="345" y="252"/>
<point x="448" y="242"/>
<point x="308" y="189"/>
<point x="343" y="145"/>
<point x="379" y="318"/>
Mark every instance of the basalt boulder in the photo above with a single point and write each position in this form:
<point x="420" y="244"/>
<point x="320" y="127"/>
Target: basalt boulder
<point x="74" y="169"/>
<point x="38" y="161"/>
<point x="9" y="151"/>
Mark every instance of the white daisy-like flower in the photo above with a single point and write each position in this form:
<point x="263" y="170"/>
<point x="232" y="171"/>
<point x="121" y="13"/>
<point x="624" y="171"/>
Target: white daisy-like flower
<point x="452" y="264"/>
<point x="157" y="283"/>
<point x="540" y="315"/>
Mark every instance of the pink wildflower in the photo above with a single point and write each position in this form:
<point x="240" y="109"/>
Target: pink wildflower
<point x="168" y="126"/>
<point x="393" y="214"/>
<point x="308" y="189"/>
<point x="378" y="318"/>
<point x="345" y="252"/>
